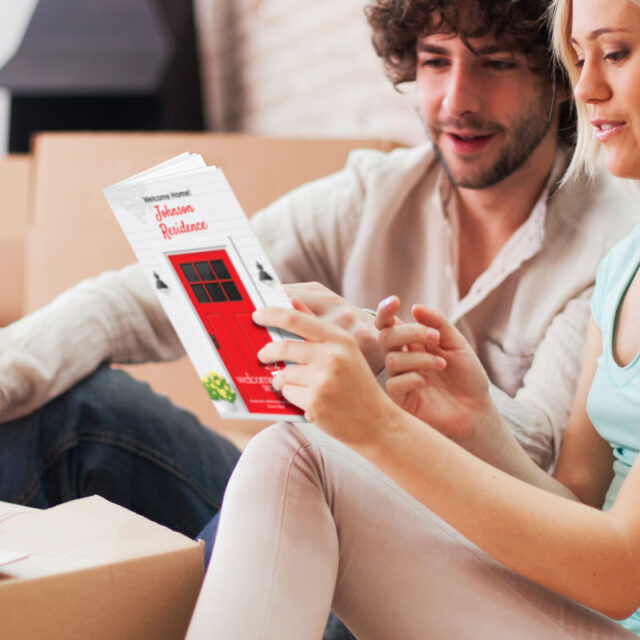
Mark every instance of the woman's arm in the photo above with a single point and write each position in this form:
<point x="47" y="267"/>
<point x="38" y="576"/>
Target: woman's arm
<point x="571" y="548"/>
<point x="455" y="400"/>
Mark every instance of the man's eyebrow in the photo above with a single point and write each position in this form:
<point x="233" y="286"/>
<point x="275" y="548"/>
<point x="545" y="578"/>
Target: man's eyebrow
<point x="492" y="49"/>
<point x="431" y="48"/>
<point x="488" y="50"/>
<point x="598" y="32"/>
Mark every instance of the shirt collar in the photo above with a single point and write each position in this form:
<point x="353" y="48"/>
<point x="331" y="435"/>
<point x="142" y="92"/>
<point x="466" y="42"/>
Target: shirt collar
<point x="525" y="242"/>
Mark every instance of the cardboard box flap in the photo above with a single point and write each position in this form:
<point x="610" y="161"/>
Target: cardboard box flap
<point x="82" y="533"/>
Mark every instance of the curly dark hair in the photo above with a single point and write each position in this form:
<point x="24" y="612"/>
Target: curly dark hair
<point x="398" y="24"/>
<point x="521" y="24"/>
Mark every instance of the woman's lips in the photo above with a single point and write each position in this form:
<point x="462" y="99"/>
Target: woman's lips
<point x="468" y="142"/>
<point x="606" y="129"/>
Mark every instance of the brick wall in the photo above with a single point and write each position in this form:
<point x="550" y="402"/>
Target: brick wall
<point x="298" y="68"/>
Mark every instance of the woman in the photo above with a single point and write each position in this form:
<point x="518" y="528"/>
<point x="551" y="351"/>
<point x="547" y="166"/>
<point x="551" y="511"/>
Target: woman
<point x="399" y="528"/>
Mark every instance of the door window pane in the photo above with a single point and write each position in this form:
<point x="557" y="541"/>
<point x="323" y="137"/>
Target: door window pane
<point x="189" y="272"/>
<point x="231" y="291"/>
<point x="220" y="269"/>
<point x="205" y="271"/>
<point x="215" y="291"/>
<point x="211" y="281"/>
<point x="200" y="293"/>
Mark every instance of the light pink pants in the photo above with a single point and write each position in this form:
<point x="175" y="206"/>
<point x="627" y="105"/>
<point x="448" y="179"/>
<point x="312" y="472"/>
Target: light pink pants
<point x="308" y="525"/>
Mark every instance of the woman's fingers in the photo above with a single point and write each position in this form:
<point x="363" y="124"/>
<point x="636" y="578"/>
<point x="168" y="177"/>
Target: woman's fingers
<point x="300" y="305"/>
<point x="294" y="374"/>
<point x="399" y="386"/>
<point x="395" y="338"/>
<point x="301" y="324"/>
<point x="450" y="337"/>
<point x="386" y="312"/>
<point x="298" y="396"/>
<point x="287" y="351"/>
<point x="398" y="362"/>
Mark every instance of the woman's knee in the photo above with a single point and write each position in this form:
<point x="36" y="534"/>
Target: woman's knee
<point x="274" y="446"/>
<point x="274" y="456"/>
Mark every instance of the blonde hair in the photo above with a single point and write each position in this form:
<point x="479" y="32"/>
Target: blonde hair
<point x="585" y="157"/>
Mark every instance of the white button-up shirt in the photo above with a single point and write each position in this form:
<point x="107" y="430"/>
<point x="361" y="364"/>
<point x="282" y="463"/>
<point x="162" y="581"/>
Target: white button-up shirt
<point x="378" y="227"/>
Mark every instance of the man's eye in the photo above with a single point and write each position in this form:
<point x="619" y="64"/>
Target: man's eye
<point x="433" y="62"/>
<point x="500" y="65"/>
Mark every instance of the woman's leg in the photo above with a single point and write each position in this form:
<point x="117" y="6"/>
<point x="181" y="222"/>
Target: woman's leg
<point x="307" y="525"/>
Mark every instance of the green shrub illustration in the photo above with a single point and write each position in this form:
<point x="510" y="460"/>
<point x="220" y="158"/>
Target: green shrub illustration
<point x="218" y="387"/>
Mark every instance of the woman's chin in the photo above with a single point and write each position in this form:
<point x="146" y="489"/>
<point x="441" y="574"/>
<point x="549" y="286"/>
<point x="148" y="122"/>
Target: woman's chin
<point x="623" y="167"/>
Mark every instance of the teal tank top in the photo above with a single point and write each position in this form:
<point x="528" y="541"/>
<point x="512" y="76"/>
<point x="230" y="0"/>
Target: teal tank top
<point x="613" y="403"/>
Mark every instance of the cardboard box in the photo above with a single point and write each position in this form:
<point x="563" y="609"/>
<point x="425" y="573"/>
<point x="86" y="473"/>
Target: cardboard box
<point x="70" y="170"/>
<point x="91" y="570"/>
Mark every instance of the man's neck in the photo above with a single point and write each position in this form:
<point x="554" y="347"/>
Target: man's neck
<point x="489" y="217"/>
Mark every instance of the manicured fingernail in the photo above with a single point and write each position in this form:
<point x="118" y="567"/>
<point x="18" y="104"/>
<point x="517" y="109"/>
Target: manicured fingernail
<point x="441" y="363"/>
<point x="386" y="302"/>
<point x="433" y="334"/>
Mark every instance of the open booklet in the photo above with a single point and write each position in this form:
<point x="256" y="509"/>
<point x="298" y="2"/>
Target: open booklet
<point x="189" y="232"/>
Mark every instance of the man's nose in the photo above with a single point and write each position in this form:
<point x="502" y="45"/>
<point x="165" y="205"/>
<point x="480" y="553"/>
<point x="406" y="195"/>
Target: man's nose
<point x="462" y="93"/>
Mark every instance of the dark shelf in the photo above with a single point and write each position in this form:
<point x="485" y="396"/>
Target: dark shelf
<point x="105" y="65"/>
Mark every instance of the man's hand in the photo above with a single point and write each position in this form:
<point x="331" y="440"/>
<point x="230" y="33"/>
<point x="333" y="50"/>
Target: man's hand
<point x="433" y="372"/>
<point x="327" y="305"/>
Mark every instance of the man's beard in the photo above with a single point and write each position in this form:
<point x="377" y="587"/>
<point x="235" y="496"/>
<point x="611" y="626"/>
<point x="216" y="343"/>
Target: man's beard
<point x="526" y="133"/>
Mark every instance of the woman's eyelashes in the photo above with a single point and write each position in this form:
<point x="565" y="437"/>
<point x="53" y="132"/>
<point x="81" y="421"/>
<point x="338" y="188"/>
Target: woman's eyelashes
<point x="615" y="57"/>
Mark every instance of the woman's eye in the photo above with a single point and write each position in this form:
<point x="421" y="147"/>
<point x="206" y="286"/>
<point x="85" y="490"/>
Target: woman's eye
<point x="616" y="56"/>
<point x="579" y="63"/>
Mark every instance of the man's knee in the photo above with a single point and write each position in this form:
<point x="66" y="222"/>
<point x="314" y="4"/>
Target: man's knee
<point x="107" y="386"/>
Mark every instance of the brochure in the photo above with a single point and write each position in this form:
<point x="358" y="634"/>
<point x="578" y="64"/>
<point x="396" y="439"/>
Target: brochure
<point x="189" y="232"/>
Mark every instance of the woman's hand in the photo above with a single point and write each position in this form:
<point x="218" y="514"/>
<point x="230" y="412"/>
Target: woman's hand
<point x="433" y="372"/>
<point x="328" y="377"/>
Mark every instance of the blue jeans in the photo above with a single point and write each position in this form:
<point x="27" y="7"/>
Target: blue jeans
<point x="111" y="435"/>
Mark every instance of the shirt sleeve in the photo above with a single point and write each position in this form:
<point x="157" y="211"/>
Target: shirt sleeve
<point x="538" y="413"/>
<point x="115" y="317"/>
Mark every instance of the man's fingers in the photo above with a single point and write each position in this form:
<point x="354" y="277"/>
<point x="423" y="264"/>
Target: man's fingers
<point x="398" y="362"/>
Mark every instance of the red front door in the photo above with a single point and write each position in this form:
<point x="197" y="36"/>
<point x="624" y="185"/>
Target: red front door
<point x="224" y="307"/>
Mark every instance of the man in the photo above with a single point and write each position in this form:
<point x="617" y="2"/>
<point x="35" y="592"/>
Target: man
<point x="473" y="224"/>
